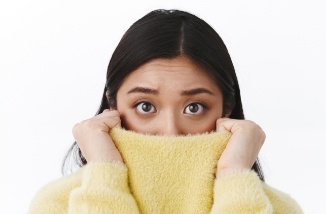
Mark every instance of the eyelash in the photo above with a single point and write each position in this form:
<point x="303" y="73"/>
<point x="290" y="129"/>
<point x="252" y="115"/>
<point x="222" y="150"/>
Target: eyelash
<point x="143" y="102"/>
<point x="203" y="106"/>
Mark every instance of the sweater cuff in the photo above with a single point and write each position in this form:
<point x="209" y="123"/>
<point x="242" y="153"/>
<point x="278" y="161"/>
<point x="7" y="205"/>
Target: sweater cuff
<point x="106" y="174"/>
<point x="240" y="187"/>
<point x="238" y="180"/>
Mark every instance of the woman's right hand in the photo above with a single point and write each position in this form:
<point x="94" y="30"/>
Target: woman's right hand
<point x="93" y="139"/>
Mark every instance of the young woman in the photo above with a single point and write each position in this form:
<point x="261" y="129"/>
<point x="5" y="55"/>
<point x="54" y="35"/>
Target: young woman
<point x="170" y="134"/>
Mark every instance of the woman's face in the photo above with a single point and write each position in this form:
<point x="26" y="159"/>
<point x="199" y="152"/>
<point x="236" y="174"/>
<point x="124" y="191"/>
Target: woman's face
<point x="169" y="97"/>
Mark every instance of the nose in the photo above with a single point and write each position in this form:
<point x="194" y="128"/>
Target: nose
<point x="170" y="125"/>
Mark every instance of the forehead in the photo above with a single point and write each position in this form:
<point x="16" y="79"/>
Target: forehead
<point x="175" y="64"/>
<point x="180" y="69"/>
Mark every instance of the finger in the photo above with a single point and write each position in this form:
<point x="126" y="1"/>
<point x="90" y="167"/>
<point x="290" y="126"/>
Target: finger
<point x="111" y="112"/>
<point x="108" y="113"/>
<point x="233" y="125"/>
<point x="111" y="119"/>
<point x="103" y="121"/>
<point x="220" y="124"/>
<point x="118" y="124"/>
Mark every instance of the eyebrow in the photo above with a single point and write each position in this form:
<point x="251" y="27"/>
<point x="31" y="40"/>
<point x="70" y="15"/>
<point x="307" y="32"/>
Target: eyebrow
<point x="189" y="92"/>
<point x="196" y="91"/>
<point x="143" y="90"/>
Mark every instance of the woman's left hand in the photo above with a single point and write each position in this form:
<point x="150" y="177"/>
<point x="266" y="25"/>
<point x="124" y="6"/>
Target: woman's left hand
<point x="243" y="147"/>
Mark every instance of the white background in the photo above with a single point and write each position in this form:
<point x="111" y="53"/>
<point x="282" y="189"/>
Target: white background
<point x="53" y="60"/>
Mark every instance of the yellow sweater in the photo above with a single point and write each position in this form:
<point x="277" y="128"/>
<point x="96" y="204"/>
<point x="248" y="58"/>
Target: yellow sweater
<point x="162" y="175"/>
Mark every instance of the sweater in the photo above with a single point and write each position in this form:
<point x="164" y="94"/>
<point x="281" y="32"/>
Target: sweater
<point x="160" y="174"/>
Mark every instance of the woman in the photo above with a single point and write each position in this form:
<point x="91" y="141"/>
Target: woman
<point x="169" y="80"/>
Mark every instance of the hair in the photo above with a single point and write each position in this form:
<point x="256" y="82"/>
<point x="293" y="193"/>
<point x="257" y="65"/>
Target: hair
<point x="170" y="34"/>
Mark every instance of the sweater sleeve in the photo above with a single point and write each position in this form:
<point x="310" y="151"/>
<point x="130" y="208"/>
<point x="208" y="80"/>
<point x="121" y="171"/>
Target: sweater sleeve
<point x="96" y="188"/>
<point x="243" y="192"/>
<point x="104" y="189"/>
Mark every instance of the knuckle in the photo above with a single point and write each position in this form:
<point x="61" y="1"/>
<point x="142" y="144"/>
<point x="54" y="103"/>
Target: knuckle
<point x="114" y="113"/>
<point x="251" y="123"/>
<point x="75" y="128"/>
<point x="114" y="121"/>
<point x="117" y="119"/>
<point x="90" y="124"/>
<point x="263" y="135"/>
<point x="221" y="120"/>
<point x="85" y="124"/>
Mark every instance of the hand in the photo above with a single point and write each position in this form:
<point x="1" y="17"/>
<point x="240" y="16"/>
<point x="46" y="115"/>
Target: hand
<point x="243" y="147"/>
<point x="93" y="139"/>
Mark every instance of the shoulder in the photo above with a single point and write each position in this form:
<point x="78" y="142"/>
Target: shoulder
<point x="53" y="197"/>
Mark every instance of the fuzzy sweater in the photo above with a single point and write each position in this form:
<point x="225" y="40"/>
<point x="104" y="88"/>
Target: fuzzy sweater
<point x="162" y="175"/>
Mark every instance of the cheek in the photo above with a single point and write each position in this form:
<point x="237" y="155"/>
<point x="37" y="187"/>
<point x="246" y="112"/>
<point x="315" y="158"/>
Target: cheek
<point x="134" y="124"/>
<point x="126" y="118"/>
<point x="123" y="110"/>
<point x="195" y="127"/>
<point x="211" y="126"/>
<point x="206" y="124"/>
<point x="131" y="121"/>
<point x="184" y="125"/>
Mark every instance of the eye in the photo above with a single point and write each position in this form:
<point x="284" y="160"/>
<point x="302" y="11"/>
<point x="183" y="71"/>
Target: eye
<point x="194" y="108"/>
<point x="145" y="107"/>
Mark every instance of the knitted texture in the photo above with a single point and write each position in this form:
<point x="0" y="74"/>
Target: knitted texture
<point x="162" y="175"/>
<point x="174" y="173"/>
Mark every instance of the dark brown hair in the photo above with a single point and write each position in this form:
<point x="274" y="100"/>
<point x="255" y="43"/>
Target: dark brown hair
<point x="169" y="34"/>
